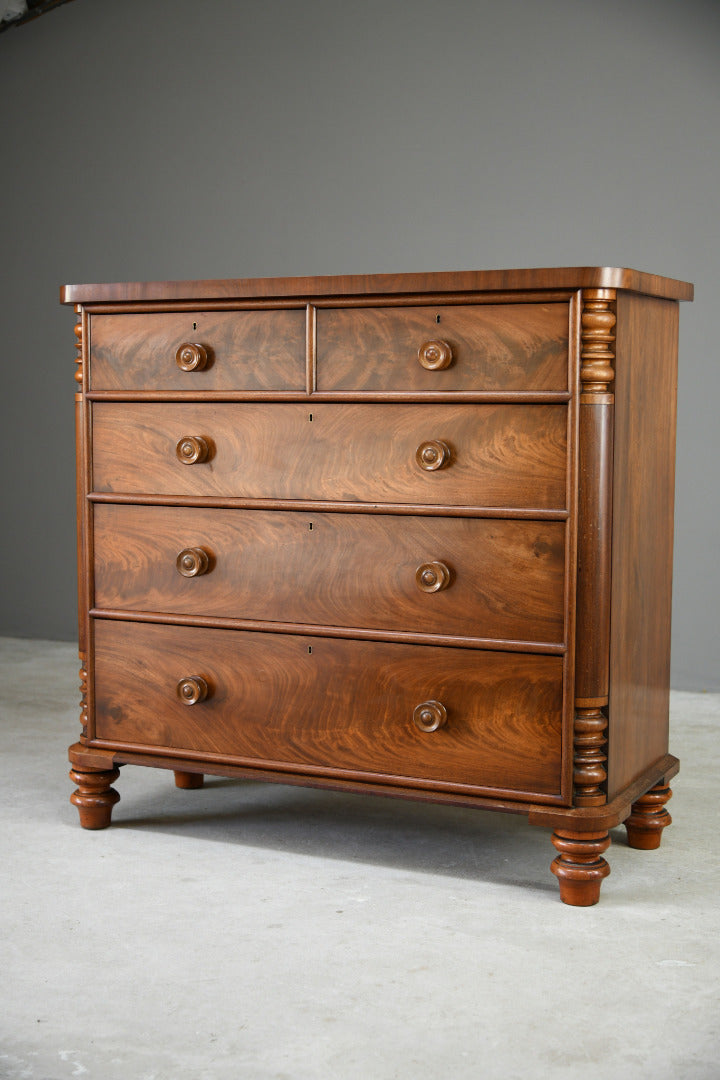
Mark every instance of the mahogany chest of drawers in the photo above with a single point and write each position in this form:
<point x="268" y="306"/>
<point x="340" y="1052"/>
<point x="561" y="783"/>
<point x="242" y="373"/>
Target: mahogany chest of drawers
<point x="407" y="535"/>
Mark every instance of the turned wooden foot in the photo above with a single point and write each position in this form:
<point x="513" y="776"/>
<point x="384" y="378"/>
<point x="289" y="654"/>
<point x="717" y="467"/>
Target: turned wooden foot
<point x="189" y="780"/>
<point x="648" y="819"/>
<point x="94" y="796"/>
<point x="579" y="866"/>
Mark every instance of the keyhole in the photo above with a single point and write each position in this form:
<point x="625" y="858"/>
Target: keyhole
<point x="310" y="418"/>
<point x="437" y="318"/>
<point x="194" y="326"/>
<point x="309" y="649"/>
<point x="310" y="526"/>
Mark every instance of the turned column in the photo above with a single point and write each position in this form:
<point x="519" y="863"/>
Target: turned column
<point x="94" y="796"/>
<point x="81" y="506"/>
<point x="580" y="867"/>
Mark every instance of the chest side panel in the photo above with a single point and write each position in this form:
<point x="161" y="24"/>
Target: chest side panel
<point x="643" y="502"/>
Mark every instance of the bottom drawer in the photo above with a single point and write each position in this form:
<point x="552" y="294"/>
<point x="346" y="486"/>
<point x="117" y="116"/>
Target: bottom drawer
<point x="333" y="706"/>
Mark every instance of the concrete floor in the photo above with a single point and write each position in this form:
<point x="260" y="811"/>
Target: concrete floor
<point x="275" y="933"/>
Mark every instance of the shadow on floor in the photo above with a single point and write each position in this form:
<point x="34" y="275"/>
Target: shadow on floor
<point x="412" y="836"/>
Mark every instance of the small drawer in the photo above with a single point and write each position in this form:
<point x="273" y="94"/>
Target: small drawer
<point x="198" y="350"/>
<point x="493" y="347"/>
<point x="467" y="577"/>
<point x="423" y="715"/>
<point x="445" y="455"/>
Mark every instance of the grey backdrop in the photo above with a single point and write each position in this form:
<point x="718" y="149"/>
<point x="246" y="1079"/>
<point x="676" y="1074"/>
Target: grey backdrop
<point x="147" y="139"/>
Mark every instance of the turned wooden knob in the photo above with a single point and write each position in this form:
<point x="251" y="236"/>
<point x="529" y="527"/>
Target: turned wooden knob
<point x="432" y="577"/>
<point x="192" y="449"/>
<point x="435" y="355"/>
<point x="432" y="455"/>
<point x="192" y="689"/>
<point x="192" y="562"/>
<point x="191" y="357"/>
<point x="430" y="716"/>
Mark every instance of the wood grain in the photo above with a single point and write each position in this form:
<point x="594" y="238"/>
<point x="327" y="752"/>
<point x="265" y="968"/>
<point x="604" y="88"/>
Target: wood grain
<point x="344" y="706"/>
<point x="555" y="278"/>
<point x="494" y="347"/>
<point x="354" y="570"/>
<point x="502" y="455"/>
<point x="643" y="503"/>
<point x="247" y="350"/>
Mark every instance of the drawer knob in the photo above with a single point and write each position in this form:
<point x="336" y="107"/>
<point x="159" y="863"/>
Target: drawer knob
<point x="432" y="455"/>
<point x="432" y="577"/>
<point x="430" y="716"/>
<point x="192" y="449"/>
<point x="192" y="562"/>
<point x="435" y="355"/>
<point x="192" y="689"/>
<point x="191" y="357"/>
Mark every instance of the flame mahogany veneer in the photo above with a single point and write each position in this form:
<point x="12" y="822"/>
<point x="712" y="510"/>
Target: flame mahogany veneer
<point x="405" y="534"/>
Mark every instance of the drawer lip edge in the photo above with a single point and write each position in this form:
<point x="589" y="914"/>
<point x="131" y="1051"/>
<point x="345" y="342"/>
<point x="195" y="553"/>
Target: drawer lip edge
<point x="349" y="776"/>
<point x="545" y="648"/>
<point x="479" y="397"/>
<point x="320" y="506"/>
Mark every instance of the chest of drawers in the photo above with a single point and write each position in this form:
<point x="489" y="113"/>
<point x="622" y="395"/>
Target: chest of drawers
<point x="407" y="535"/>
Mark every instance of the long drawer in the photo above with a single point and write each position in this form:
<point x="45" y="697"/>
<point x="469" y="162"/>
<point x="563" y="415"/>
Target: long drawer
<point x="477" y="455"/>
<point x="198" y="351"/>
<point x="471" y="577"/>
<point x="347" y="708"/>
<point x="496" y="347"/>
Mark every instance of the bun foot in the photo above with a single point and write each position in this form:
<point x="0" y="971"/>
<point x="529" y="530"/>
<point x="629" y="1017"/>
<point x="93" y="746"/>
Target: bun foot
<point x="189" y="780"/>
<point x="579" y="866"/>
<point x="648" y="819"/>
<point x="94" y="796"/>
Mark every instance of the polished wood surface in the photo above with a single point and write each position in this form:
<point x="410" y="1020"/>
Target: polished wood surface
<point x="492" y="347"/>
<point x="648" y="819"/>
<point x="579" y="866"/>
<point x="246" y="350"/>
<point x="188" y="781"/>
<point x="506" y="578"/>
<point x="594" y="539"/>
<point x="401" y="534"/>
<point x="501" y="455"/>
<point x="463" y="281"/>
<point x="643" y="504"/>
<point x="340" y="706"/>
<point x="94" y="796"/>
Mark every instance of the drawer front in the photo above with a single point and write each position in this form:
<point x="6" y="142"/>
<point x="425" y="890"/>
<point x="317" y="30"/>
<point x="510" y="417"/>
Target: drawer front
<point x="335" y="706"/>
<point x="505" y="578"/>
<point x="496" y="347"/>
<point x="244" y="350"/>
<point x="497" y="455"/>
